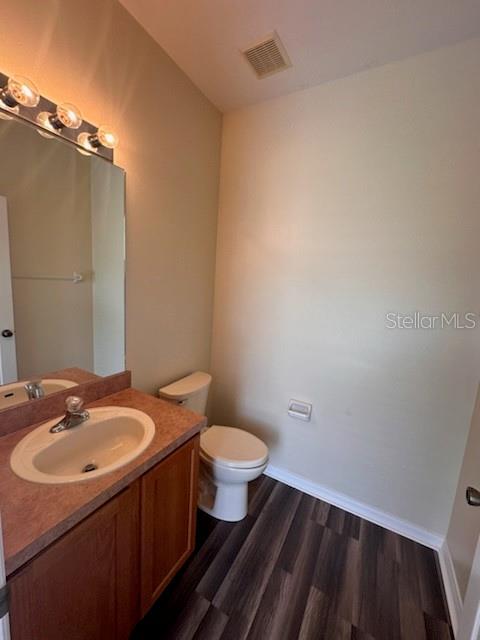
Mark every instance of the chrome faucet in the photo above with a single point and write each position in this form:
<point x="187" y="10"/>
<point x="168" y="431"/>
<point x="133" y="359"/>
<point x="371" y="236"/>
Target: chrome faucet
<point x="34" y="389"/>
<point x="74" y="415"/>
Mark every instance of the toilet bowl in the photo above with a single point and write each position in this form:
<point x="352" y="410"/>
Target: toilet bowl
<point x="230" y="458"/>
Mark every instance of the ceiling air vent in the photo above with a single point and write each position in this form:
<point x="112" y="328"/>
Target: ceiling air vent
<point x="267" y="56"/>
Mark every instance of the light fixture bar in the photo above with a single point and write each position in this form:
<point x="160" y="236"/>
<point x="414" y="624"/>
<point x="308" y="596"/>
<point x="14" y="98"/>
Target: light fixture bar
<point x="63" y="119"/>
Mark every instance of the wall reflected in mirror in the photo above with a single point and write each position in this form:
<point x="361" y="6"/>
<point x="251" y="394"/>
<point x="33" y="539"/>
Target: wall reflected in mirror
<point x="62" y="248"/>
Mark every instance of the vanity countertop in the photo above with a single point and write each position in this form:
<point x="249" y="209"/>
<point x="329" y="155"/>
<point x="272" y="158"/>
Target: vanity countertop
<point x="35" y="515"/>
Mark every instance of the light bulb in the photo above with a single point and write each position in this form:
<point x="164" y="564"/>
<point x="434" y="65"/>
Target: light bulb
<point x="20" y="90"/>
<point x="66" y="115"/>
<point x="107" y="137"/>
<point x="84" y="139"/>
<point x="43" y="118"/>
<point x="103" y="138"/>
<point x="69" y="115"/>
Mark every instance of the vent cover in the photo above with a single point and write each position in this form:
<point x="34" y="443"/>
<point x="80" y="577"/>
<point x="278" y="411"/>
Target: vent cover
<point x="267" y="56"/>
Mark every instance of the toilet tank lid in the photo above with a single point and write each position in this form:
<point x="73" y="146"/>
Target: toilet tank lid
<point x="185" y="387"/>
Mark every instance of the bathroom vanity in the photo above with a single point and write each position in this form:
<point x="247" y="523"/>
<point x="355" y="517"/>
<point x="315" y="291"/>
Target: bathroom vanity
<point x="88" y="559"/>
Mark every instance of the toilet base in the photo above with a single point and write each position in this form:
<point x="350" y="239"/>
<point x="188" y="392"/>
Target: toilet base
<point x="229" y="502"/>
<point x="223" y="492"/>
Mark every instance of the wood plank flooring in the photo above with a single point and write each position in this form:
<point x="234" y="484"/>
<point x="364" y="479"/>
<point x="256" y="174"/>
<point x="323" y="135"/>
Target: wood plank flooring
<point x="297" y="567"/>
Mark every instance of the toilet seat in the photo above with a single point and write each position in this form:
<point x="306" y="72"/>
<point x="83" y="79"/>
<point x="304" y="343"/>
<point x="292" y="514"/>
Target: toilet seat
<point x="232" y="448"/>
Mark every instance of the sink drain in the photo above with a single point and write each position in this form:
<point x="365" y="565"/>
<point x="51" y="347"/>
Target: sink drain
<point x="89" y="467"/>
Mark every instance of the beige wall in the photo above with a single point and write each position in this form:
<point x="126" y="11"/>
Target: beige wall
<point x="47" y="186"/>
<point x="464" y="527"/>
<point x="337" y="205"/>
<point x="95" y="55"/>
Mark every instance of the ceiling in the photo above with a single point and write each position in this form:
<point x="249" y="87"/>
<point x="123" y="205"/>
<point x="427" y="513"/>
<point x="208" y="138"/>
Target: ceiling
<point x="325" y="39"/>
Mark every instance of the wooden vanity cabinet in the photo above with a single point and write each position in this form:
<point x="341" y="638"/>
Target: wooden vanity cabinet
<point x="86" y="584"/>
<point x="169" y="506"/>
<point x="97" y="581"/>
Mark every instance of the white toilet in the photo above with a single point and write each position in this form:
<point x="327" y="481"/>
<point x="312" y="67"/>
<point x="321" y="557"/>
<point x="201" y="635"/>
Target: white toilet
<point x="229" y="458"/>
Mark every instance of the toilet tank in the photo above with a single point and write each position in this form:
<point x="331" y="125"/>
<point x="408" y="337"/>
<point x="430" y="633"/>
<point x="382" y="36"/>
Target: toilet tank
<point x="190" y="392"/>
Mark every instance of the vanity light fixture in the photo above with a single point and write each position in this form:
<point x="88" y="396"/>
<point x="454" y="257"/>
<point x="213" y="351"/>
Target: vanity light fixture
<point x="19" y="91"/>
<point x="104" y="137"/>
<point x="66" y="115"/>
<point x="20" y="99"/>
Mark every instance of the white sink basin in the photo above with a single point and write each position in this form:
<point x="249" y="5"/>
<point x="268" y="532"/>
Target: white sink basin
<point x="14" y="393"/>
<point x="110" y="438"/>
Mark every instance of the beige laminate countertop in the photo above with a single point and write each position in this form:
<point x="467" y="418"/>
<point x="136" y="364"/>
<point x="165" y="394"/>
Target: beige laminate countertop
<point x="35" y="515"/>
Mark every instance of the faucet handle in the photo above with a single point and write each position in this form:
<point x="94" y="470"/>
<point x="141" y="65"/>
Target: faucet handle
<point x="74" y="404"/>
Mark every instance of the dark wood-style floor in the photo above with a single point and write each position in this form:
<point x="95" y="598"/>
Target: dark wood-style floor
<point x="297" y="567"/>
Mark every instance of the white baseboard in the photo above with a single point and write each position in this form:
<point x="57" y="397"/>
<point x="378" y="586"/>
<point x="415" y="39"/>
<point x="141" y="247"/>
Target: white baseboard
<point x="450" y="583"/>
<point x="382" y="518"/>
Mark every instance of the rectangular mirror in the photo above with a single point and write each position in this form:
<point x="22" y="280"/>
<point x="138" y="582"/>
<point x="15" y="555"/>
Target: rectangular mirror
<point x="62" y="259"/>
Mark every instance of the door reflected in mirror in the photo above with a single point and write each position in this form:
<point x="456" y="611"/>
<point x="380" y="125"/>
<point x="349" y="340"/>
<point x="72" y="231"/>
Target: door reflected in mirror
<point x="62" y="256"/>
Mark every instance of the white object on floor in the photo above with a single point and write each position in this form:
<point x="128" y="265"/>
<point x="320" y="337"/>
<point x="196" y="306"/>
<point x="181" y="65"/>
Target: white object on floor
<point x="229" y="458"/>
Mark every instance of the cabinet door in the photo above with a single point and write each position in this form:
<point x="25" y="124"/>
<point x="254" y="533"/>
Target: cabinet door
<point x="169" y="507"/>
<point x="85" y="586"/>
